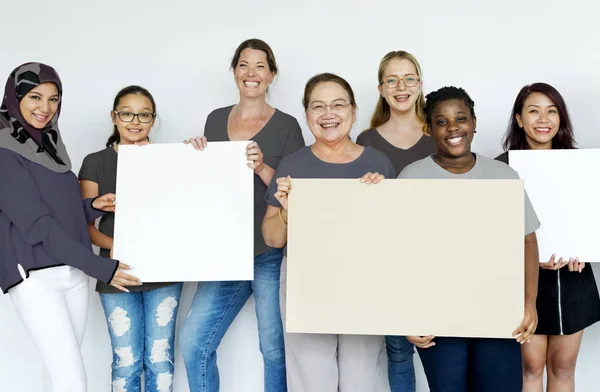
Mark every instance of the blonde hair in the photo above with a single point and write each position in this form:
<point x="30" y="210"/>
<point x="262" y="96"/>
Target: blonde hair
<point x="382" y="110"/>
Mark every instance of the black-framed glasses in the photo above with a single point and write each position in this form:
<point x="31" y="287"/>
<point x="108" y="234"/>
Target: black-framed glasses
<point x="129" y="116"/>
<point x="392" y="81"/>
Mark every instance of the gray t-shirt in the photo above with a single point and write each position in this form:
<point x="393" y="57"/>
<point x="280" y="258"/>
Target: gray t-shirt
<point x="280" y="137"/>
<point x="484" y="168"/>
<point x="101" y="167"/>
<point x="399" y="157"/>
<point x="305" y="164"/>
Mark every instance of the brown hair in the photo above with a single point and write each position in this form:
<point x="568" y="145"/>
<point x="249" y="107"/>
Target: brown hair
<point x="382" y="110"/>
<point x="322" y="78"/>
<point x="257" y="44"/>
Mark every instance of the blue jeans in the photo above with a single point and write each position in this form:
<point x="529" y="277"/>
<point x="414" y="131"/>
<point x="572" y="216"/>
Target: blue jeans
<point x="215" y="306"/>
<point x="142" y="333"/>
<point x="401" y="370"/>
<point x="473" y="365"/>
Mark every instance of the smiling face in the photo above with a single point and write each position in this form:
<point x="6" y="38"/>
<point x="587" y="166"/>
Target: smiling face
<point x="252" y="73"/>
<point x="40" y="104"/>
<point x="134" y="131"/>
<point x="329" y="115"/>
<point x="540" y="121"/>
<point x="452" y="127"/>
<point x="401" y="98"/>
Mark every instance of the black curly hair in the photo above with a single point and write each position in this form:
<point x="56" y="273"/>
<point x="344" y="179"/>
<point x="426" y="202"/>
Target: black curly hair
<point x="444" y="94"/>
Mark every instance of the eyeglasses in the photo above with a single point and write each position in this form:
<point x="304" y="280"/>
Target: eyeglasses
<point x="392" y="81"/>
<point x="335" y="107"/>
<point x="129" y="116"/>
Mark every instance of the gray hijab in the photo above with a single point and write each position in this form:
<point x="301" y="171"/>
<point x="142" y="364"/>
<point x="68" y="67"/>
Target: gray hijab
<point x="42" y="146"/>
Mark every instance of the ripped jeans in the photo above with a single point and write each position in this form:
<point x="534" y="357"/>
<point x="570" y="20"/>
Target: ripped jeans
<point x="142" y="333"/>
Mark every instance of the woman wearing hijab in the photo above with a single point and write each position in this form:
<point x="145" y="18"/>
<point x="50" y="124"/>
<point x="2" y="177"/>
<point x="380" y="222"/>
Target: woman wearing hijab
<point x="45" y="248"/>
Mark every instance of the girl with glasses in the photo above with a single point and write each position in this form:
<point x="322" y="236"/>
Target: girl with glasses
<point x="141" y="321"/>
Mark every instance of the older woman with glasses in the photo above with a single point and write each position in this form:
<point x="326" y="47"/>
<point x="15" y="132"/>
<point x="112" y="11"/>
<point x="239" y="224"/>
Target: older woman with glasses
<point x="322" y="362"/>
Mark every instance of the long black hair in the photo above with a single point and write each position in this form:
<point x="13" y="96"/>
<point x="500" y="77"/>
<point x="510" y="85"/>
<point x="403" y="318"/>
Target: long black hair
<point x="514" y="139"/>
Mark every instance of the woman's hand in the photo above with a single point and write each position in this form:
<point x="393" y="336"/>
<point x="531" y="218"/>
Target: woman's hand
<point x="528" y="325"/>
<point x="371" y="178"/>
<point x="255" y="157"/>
<point x="283" y="190"/>
<point x="575" y="265"/>
<point x="422" y="341"/>
<point x="122" y="279"/>
<point x="552" y="264"/>
<point x="199" y="143"/>
<point x="105" y="202"/>
<point x="143" y="143"/>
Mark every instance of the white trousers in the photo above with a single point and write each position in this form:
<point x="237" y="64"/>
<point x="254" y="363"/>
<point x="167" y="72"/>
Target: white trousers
<point x="52" y="305"/>
<point x="332" y="363"/>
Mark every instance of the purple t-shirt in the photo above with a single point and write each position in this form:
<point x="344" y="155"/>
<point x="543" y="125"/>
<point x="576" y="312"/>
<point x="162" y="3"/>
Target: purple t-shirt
<point x="43" y="222"/>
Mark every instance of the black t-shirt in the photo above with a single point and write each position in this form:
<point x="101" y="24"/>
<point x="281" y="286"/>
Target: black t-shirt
<point x="101" y="167"/>
<point x="399" y="157"/>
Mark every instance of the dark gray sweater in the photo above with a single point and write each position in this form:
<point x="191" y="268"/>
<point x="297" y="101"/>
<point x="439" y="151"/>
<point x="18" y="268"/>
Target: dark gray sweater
<point x="43" y="222"/>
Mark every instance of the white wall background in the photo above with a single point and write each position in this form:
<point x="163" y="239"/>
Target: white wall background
<point x="180" y="50"/>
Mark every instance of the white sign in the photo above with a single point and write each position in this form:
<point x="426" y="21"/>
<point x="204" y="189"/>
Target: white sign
<point x="183" y="214"/>
<point x="565" y="193"/>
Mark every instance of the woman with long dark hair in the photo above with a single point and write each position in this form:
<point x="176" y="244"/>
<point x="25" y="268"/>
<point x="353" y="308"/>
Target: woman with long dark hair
<point x="567" y="300"/>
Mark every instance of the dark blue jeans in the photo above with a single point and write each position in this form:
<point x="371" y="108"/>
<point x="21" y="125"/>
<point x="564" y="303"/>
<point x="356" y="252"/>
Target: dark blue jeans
<point x="401" y="370"/>
<point x="215" y="306"/>
<point x="473" y="365"/>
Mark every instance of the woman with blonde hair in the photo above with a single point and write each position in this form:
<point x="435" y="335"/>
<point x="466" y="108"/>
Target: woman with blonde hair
<point x="398" y="130"/>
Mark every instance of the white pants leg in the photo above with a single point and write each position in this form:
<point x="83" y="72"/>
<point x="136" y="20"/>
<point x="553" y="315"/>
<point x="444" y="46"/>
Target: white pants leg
<point x="52" y="305"/>
<point x="332" y="363"/>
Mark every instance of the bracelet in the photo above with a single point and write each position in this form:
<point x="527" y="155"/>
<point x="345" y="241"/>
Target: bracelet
<point x="281" y="216"/>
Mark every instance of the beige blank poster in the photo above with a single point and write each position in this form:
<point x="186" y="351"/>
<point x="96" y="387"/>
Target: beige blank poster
<point x="406" y="257"/>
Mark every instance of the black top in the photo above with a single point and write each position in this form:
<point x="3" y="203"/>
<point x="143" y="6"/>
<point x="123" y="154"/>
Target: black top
<point x="399" y="157"/>
<point x="101" y="167"/>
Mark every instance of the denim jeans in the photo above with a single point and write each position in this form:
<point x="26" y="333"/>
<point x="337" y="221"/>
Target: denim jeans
<point x="215" y="306"/>
<point x="473" y="365"/>
<point x="142" y="333"/>
<point x="401" y="370"/>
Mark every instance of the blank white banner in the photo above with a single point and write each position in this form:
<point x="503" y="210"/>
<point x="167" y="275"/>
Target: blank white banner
<point x="406" y="257"/>
<point x="185" y="215"/>
<point x="565" y="192"/>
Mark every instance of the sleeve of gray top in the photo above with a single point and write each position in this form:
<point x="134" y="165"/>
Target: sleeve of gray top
<point x="532" y="222"/>
<point x="389" y="171"/>
<point x="89" y="169"/>
<point x="281" y="171"/>
<point x="294" y="140"/>
<point x="21" y="204"/>
<point x="409" y="171"/>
